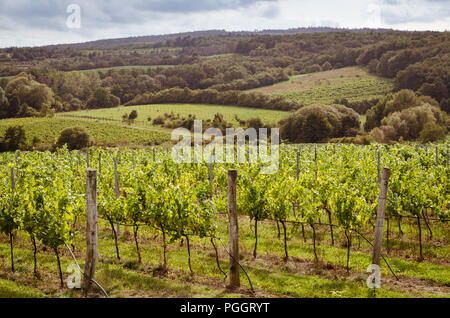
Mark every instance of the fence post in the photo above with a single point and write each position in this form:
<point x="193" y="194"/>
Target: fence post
<point x="91" y="228"/>
<point x="79" y="157"/>
<point x="154" y="155"/>
<point x="233" y="230"/>
<point x="380" y="216"/>
<point x="87" y="158"/>
<point x="132" y="156"/>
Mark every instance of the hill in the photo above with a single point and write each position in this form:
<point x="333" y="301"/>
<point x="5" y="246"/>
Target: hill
<point x="351" y="83"/>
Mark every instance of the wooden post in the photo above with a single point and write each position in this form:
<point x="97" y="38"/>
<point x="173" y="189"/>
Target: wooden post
<point x="211" y="174"/>
<point x="379" y="167"/>
<point x="233" y="230"/>
<point x="91" y="228"/>
<point x="79" y="157"/>
<point x="380" y="216"/>
<point x="132" y="157"/>
<point x="437" y="156"/>
<point x="447" y="158"/>
<point x="87" y="158"/>
<point x="116" y="185"/>
<point x="12" y="178"/>
<point x="298" y="167"/>
<point x="154" y="155"/>
<point x="99" y="163"/>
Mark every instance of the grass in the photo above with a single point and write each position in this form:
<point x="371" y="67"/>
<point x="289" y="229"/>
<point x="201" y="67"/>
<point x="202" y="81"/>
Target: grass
<point x="48" y="130"/>
<point x="270" y="275"/>
<point x="9" y="289"/>
<point x="201" y="111"/>
<point x="352" y="83"/>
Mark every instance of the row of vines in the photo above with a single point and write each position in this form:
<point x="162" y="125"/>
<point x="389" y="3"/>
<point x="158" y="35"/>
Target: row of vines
<point x="43" y="194"/>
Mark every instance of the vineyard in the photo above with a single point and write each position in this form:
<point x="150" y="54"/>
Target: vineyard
<point x="305" y="231"/>
<point x="352" y="83"/>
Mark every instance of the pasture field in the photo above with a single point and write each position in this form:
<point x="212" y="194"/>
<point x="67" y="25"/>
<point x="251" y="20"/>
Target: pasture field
<point x="352" y="83"/>
<point x="200" y="111"/>
<point x="48" y="130"/>
<point x="179" y="258"/>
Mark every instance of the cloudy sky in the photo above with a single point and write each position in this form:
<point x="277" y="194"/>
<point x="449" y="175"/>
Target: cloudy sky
<point x="33" y="22"/>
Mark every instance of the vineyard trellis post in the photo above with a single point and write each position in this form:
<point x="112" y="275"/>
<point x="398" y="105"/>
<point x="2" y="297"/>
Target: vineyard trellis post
<point x="79" y="157"/>
<point x="380" y="216"/>
<point x="211" y="175"/>
<point x="99" y="163"/>
<point x="91" y="228"/>
<point x="447" y="158"/>
<point x="116" y="186"/>
<point x="233" y="230"/>
<point x="437" y="156"/>
<point x="378" y="166"/>
<point x="87" y="158"/>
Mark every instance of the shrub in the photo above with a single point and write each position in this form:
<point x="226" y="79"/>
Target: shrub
<point x="315" y="123"/>
<point x="74" y="138"/>
<point x="158" y="120"/>
<point x="432" y="132"/>
<point x="14" y="139"/>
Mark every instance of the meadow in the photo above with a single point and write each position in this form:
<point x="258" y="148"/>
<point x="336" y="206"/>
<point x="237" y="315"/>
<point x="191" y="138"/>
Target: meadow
<point x="200" y="111"/>
<point x="48" y="130"/>
<point x="352" y="83"/>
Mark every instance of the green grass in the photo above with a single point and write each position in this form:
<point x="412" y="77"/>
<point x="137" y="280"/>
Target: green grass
<point x="9" y="289"/>
<point x="48" y="130"/>
<point x="352" y="83"/>
<point x="201" y="111"/>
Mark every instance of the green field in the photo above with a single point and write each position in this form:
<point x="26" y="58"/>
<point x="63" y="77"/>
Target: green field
<point x="202" y="112"/>
<point x="48" y="130"/>
<point x="352" y="83"/>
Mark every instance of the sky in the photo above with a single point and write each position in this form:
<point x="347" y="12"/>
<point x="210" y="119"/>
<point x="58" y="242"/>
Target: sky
<point x="34" y="22"/>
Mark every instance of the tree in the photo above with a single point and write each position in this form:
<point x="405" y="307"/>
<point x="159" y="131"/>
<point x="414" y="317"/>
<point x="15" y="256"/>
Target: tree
<point x="316" y="127"/>
<point x="432" y="132"/>
<point x="14" y="138"/>
<point x="133" y="115"/>
<point x="74" y="137"/>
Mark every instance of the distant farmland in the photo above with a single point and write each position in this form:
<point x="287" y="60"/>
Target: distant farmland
<point x="203" y="112"/>
<point x="352" y="83"/>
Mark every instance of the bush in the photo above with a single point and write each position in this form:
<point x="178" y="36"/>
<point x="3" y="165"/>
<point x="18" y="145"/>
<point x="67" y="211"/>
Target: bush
<point x="432" y="132"/>
<point x="74" y="138"/>
<point x="14" y="139"/>
<point x="315" y="123"/>
<point x="158" y="120"/>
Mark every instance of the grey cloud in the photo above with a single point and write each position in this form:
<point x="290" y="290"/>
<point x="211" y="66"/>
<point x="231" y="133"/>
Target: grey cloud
<point x="403" y="11"/>
<point x="51" y="14"/>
